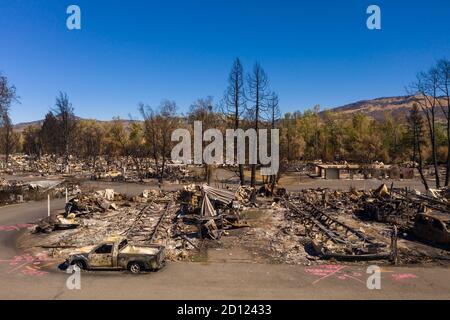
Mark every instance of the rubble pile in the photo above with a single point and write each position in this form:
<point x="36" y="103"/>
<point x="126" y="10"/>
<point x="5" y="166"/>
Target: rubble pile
<point x="16" y="191"/>
<point x="147" y="195"/>
<point x="97" y="216"/>
<point x="153" y="217"/>
<point x="365" y="225"/>
<point x="331" y="237"/>
<point x="381" y="205"/>
<point x="44" y="165"/>
<point x="103" y="168"/>
<point x="385" y="224"/>
<point x="244" y="194"/>
<point x="212" y="210"/>
<point x="439" y="195"/>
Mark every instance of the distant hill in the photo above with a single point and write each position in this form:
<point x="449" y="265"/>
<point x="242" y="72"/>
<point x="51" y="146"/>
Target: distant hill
<point x="399" y="107"/>
<point x="20" y="126"/>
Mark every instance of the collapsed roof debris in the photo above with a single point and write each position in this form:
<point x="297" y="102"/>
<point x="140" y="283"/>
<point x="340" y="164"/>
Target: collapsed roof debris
<point x="221" y="195"/>
<point x="207" y="209"/>
<point x="332" y="238"/>
<point x="212" y="210"/>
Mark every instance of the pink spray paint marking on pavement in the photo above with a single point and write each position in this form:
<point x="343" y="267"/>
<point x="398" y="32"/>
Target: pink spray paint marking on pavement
<point x="27" y="264"/>
<point x="403" y="276"/>
<point x="15" y="227"/>
<point x="331" y="270"/>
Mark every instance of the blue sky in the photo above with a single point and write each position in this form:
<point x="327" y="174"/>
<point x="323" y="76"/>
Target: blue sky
<point x="315" y="52"/>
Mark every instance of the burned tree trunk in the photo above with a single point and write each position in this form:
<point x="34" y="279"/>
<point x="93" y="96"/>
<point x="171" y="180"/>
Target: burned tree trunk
<point x="235" y="102"/>
<point x="427" y="87"/>
<point x="444" y="83"/>
<point x="415" y="122"/>
<point x="258" y="84"/>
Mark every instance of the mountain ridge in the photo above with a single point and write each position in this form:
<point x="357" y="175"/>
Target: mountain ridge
<point x="398" y="106"/>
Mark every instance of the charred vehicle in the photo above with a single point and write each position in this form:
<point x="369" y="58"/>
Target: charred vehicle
<point x="433" y="227"/>
<point x="117" y="254"/>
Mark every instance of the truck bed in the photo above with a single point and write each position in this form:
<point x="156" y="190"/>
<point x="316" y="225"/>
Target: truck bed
<point x="131" y="249"/>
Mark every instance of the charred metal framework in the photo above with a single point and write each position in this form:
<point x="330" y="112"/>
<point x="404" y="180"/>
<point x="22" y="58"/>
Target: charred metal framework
<point x="332" y="238"/>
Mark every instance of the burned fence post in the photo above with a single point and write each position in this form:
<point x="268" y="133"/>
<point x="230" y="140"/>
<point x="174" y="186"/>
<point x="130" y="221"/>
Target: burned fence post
<point x="394" y="252"/>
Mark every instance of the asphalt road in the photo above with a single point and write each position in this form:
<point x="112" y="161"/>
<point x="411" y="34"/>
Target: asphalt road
<point x="226" y="275"/>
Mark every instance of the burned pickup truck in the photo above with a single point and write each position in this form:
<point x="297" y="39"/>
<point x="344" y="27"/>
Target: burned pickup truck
<point x="117" y="254"/>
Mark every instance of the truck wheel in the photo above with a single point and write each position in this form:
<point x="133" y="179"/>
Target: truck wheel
<point x="135" y="267"/>
<point x="80" y="264"/>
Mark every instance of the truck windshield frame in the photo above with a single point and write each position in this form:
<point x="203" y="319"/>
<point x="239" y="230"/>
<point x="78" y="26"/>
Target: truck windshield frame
<point x="122" y="244"/>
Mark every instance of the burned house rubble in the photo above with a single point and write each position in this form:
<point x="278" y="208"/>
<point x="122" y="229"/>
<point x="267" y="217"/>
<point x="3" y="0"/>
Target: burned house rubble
<point x="16" y="191"/>
<point x="381" y="224"/>
<point x="181" y="221"/>
<point x="124" y="169"/>
<point x="387" y="225"/>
